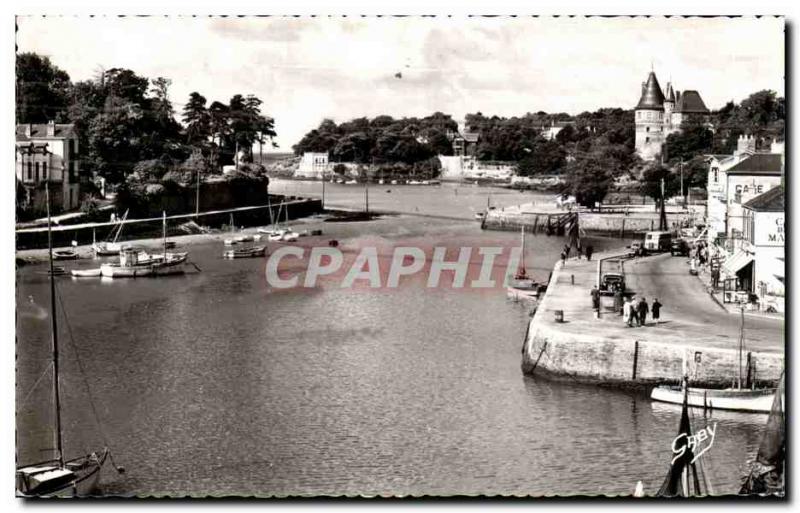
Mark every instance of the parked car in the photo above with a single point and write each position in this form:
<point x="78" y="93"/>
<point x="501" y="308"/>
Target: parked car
<point x="611" y="282"/>
<point x="679" y="247"/>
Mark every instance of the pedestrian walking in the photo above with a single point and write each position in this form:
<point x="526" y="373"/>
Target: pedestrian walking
<point x="627" y="312"/>
<point x="656" y="310"/>
<point x="595" y="298"/>
<point x="563" y="258"/>
<point x="580" y="252"/>
<point x="567" y="249"/>
<point x="589" y="251"/>
<point x="642" y="309"/>
<point x="618" y="301"/>
<point x="715" y="277"/>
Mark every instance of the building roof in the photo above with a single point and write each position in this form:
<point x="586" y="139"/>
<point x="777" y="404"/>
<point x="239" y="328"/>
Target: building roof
<point x="759" y="164"/>
<point x="690" y="102"/>
<point x="652" y="97"/>
<point x="39" y="131"/>
<point x="670" y="94"/>
<point x="771" y="201"/>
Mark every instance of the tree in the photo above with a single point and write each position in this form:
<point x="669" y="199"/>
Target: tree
<point x="651" y="183"/>
<point x="42" y="90"/>
<point x="588" y="180"/>
<point x="197" y="120"/>
<point x="546" y="157"/>
<point x="694" y="138"/>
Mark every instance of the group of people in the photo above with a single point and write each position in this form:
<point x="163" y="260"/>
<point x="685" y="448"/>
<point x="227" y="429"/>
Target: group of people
<point x="568" y="248"/>
<point x="634" y="313"/>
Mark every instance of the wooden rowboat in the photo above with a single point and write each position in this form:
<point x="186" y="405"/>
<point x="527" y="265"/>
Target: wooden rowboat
<point x="254" y="252"/>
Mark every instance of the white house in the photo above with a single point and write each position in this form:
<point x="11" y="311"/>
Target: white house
<point x="48" y="152"/>
<point x="312" y="165"/>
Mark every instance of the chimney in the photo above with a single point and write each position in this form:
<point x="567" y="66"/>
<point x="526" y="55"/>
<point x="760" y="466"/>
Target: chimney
<point x="27" y="129"/>
<point x="51" y="129"/>
<point x="745" y="144"/>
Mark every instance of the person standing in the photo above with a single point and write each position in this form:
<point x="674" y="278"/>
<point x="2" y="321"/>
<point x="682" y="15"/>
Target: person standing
<point x="589" y="251"/>
<point x="642" y="310"/>
<point x="656" y="310"/>
<point x="618" y="301"/>
<point x="563" y="258"/>
<point x="567" y="249"/>
<point x="627" y="313"/>
<point x="595" y="298"/>
<point x="715" y="277"/>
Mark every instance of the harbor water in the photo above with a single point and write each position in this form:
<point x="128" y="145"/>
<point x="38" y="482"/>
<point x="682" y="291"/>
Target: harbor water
<point x="212" y="383"/>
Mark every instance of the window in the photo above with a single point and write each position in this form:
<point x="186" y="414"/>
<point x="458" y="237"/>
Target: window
<point x="71" y="170"/>
<point x="647" y="129"/>
<point x="30" y="170"/>
<point x="715" y="170"/>
<point x="71" y="146"/>
<point x="44" y="170"/>
<point x="647" y="139"/>
<point x="37" y="171"/>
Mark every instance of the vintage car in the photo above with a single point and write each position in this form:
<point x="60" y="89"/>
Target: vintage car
<point x="611" y="282"/>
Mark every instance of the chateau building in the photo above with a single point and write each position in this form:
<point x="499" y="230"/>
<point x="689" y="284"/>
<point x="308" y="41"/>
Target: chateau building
<point x="659" y="114"/>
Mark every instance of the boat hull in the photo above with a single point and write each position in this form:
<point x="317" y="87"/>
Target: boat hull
<point x="755" y="401"/>
<point x="80" y="477"/>
<point x="86" y="273"/>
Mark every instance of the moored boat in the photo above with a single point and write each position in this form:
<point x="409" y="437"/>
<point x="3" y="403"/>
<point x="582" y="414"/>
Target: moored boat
<point x="86" y="273"/>
<point x="738" y="398"/>
<point x="522" y="285"/>
<point x="255" y="251"/>
<point x="766" y="474"/>
<point x="64" y="254"/>
<point x="58" y="476"/>
<point x="756" y="401"/>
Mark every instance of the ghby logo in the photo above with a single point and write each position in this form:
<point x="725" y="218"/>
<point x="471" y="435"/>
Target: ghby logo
<point x="684" y="442"/>
<point x="462" y="267"/>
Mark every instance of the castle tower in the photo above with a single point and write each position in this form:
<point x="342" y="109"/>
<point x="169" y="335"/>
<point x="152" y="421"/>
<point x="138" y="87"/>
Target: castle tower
<point x="650" y="119"/>
<point x="669" y="106"/>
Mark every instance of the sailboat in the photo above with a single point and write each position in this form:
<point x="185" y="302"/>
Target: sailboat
<point x="735" y="398"/>
<point x="241" y="238"/>
<point x="59" y="476"/>
<point x="277" y="234"/>
<point x="687" y="476"/>
<point x="110" y="248"/>
<point x="134" y="263"/>
<point x="523" y="286"/>
<point x="766" y="475"/>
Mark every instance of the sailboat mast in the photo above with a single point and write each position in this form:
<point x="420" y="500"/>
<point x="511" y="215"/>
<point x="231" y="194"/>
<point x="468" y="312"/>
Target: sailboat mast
<point x="54" y="334"/>
<point x="522" y="256"/>
<point x="164" y="229"/>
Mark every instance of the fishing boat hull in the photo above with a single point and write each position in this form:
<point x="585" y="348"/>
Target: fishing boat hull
<point x="754" y="401"/>
<point x="86" y="273"/>
<point x="64" y="255"/>
<point x="79" y="477"/>
<point x="245" y="253"/>
<point x="107" y="249"/>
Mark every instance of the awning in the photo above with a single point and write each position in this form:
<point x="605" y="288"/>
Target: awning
<point x="740" y="259"/>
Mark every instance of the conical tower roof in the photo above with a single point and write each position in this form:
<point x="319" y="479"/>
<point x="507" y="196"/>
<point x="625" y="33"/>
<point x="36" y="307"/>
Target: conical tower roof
<point x="670" y="93"/>
<point x="652" y="97"/>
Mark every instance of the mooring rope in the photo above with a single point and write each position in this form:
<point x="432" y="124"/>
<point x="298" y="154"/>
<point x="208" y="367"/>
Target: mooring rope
<point x="28" y="395"/>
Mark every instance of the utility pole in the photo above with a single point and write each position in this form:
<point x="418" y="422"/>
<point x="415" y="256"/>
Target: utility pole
<point x="662" y="222"/>
<point x="197" y="198"/>
<point x="366" y="187"/>
<point x="323" y="187"/>
<point x="683" y="195"/>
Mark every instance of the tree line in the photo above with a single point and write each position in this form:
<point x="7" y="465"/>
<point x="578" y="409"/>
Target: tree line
<point x="126" y="123"/>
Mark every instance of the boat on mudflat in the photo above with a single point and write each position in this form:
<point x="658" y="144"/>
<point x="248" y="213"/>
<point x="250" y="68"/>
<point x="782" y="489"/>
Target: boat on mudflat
<point x="64" y="254"/>
<point x="756" y="401"/>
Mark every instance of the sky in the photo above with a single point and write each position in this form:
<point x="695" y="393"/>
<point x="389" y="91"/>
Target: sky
<point x="307" y="69"/>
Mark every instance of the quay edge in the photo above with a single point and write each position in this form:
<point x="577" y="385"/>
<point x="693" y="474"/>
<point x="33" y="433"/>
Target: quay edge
<point x="637" y="362"/>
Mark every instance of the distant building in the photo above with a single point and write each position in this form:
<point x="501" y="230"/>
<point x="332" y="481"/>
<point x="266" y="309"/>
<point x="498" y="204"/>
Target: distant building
<point x="312" y="165"/>
<point x="550" y="132"/>
<point x="759" y="267"/>
<point x="48" y="152"/>
<point x="465" y="144"/>
<point x="659" y="114"/>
